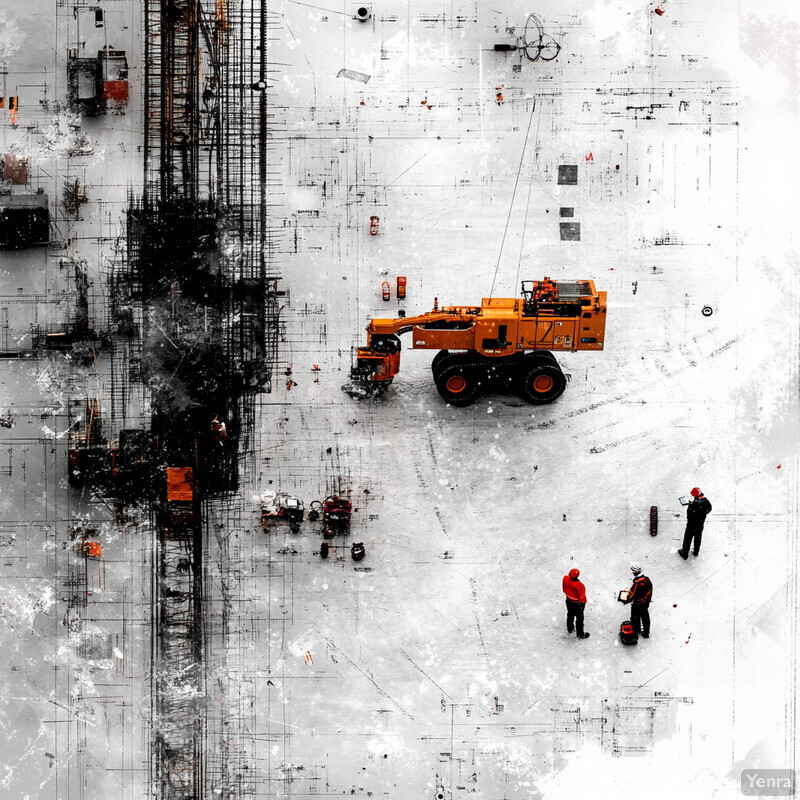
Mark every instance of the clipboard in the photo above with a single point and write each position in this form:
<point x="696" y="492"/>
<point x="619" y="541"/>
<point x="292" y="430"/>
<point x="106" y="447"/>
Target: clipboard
<point x="684" y="501"/>
<point x="622" y="597"/>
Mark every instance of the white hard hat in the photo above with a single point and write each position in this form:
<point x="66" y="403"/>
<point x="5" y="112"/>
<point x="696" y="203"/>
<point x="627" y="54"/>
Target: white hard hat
<point x="635" y="567"/>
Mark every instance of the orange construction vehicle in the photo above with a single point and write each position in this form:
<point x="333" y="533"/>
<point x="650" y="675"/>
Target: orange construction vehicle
<point x="504" y="343"/>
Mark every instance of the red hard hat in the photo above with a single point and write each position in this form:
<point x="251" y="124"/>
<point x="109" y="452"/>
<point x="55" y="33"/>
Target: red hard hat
<point x="696" y="492"/>
<point x="573" y="573"/>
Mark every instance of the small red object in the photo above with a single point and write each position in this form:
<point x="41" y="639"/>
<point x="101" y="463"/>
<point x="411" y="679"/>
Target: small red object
<point x="386" y="290"/>
<point x="401" y="287"/>
<point x="117" y="91"/>
<point x="373" y="225"/>
<point x="335" y="516"/>
<point x="219" y="430"/>
<point x="660" y="10"/>
<point x="15" y="168"/>
<point x="90" y="549"/>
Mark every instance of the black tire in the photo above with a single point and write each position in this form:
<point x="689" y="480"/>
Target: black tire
<point x="459" y="383"/>
<point x="543" y="355"/>
<point x="444" y="359"/>
<point x="437" y="360"/>
<point x="542" y="382"/>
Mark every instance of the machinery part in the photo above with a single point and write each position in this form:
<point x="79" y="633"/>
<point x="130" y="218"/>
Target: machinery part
<point x="503" y="374"/>
<point x="457" y="374"/>
<point x="497" y="337"/>
<point x="375" y="367"/>
<point x="362" y="386"/>
<point x="707" y="311"/>
<point x="357" y="551"/>
<point x="542" y="382"/>
<point x="543" y="355"/>
<point x="292" y="508"/>
<point x="279" y="505"/>
<point x="445" y="359"/>
<point x="437" y="360"/>
<point x="363" y="13"/>
<point x="90" y="549"/>
<point x="653" y="520"/>
<point x="458" y="382"/>
<point x="489" y="371"/>
<point x="388" y="343"/>
<point x="335" y="516"/>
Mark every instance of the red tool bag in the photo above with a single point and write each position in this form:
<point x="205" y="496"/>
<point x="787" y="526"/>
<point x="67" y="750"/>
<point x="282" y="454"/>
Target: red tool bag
<point x="627" y="635"/>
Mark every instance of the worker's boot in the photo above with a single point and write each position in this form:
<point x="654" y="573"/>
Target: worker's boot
<point x="683" y="554"/>
<point x="583" y="635"/>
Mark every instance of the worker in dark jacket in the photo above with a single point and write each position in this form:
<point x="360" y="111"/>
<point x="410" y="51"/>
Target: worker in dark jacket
<point x="639" y="597"/>
<point x="576" y="601"/>
<point x="696" y="513"/>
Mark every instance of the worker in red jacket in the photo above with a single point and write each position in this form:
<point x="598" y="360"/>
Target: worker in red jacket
<point x="576" y="602"/>
<point x="639" y="596"/>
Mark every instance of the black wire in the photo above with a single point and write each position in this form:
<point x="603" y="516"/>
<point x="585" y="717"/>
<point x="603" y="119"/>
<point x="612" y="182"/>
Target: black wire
<point x="528" y="203"/>
<point x="513" y="195"/>
<point x="545" y="47"/>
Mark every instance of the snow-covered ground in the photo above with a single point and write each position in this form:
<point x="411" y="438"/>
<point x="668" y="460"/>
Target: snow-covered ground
<point x="439" y="666"/>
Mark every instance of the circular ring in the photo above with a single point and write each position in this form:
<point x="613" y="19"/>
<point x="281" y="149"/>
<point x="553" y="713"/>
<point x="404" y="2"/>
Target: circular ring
<point x="707" y="311"/>
<point x="542" y="383"/>
<point x="456" y="384"/>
